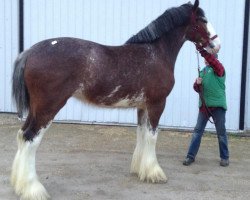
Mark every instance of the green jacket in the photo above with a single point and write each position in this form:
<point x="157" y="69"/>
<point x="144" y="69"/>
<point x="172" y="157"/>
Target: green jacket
<point x="213" y="88"/>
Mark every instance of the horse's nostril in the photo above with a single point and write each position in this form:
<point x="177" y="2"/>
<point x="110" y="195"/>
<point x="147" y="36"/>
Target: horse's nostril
<point x="211" y="45"/>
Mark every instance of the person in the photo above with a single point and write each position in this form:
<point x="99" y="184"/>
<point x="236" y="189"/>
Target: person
<point x="211" y="86"/>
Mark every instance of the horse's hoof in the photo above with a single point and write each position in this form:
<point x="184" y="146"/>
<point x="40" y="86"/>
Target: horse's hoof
<point x="153" y="175"/>
<point x="134" y="170"/>
<point x="35" y="191"/>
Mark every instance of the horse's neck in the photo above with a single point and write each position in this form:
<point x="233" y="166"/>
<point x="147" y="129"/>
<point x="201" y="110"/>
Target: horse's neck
<point x="171" y="44"/>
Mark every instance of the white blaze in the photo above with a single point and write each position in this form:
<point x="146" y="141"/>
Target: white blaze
<point x="216" y="43"/>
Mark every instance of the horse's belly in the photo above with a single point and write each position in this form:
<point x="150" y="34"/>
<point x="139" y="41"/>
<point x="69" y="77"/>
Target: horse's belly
<point x="136" y="101"/>
<point x="112" y="101"/>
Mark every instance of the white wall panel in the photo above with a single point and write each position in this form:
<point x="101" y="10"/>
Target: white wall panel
<point x="112" y="22"/>
<point x="8" y="51"/>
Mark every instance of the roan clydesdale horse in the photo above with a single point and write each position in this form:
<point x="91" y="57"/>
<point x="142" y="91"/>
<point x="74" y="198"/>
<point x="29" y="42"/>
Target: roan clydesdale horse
<point x="138" y="74"/>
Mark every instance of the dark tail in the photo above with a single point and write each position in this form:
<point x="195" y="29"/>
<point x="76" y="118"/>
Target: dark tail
<point x="19" y="89"/>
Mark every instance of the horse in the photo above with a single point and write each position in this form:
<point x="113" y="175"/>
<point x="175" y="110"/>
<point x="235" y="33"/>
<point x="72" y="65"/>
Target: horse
<point x="137" y="74"/>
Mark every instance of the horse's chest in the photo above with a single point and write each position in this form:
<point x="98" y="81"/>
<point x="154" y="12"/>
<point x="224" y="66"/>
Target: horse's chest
<point x="169" y="83"/>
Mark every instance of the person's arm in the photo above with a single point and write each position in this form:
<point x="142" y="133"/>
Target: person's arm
<point x="197" y="85"/>
<point x="212" y="61"/>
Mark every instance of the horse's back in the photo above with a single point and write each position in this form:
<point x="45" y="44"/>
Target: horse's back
<point x="60" y="50"/>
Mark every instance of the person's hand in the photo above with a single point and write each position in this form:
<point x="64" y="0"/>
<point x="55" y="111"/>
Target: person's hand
<point x="202" y="51"/>
<point x="199" y="81"/>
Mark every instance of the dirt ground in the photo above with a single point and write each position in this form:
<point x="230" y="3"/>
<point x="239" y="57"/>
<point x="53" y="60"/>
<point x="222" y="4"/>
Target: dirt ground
<point x="78" y="162"/>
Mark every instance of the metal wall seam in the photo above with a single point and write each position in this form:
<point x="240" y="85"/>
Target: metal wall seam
<point x="244" y="67"/>
<point x="21" y="25"/>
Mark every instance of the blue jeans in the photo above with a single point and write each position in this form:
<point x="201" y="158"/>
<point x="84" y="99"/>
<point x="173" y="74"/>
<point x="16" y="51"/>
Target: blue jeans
<point x="218" y="116"/>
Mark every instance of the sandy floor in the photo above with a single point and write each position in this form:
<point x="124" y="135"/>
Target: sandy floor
<point x="77" y="162"/>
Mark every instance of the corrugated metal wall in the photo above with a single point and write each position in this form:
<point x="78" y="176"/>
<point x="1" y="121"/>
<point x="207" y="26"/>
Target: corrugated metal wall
<point x="8" y="50"/>
<point x="112" y="22"/>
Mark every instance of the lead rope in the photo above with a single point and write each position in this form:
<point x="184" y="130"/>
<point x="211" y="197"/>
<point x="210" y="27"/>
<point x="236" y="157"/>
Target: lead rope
<point x="198" y="61"/>
<point x="208" y="112"/>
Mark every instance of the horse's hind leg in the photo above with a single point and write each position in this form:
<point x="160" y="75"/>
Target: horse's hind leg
<point x="150" y="169"/>
<point x="17" y="157"/>
<point x="24" y="177"/>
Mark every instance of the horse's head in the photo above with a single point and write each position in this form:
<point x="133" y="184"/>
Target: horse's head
<point x="201" y="32"/>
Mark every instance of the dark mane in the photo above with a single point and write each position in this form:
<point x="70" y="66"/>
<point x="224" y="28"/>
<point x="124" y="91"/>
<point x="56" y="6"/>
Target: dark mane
<point x="170" y="19"/>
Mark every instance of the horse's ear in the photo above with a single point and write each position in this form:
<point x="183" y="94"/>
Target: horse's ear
<point x="196" y="5"/>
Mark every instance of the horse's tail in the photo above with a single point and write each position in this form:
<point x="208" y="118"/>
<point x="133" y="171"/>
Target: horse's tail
<point x="19" y="89"/>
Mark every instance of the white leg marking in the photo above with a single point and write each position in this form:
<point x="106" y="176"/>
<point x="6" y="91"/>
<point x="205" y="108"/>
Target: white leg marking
<point x="150" y="169"/>
<point x="17" y="158"/>
<point x="24" y="177"/>
<point x="136" y="160"/>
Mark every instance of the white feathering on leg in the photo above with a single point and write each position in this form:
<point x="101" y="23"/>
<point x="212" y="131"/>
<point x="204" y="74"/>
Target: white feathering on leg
<point x="16" y="159"/>
<point x="137" y="155"/>
<point x="26" y="182"/>
<point x="150" y="169"/>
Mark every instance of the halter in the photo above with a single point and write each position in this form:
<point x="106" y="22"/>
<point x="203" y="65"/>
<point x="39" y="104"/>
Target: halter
<point x="196" y="28"/>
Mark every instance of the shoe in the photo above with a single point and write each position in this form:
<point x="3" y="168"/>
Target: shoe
<point x="188" y="161"/>
<point x="224" y="162"/>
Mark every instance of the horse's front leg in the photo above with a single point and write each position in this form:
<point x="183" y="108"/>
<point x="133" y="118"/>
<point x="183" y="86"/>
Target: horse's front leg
<point x="140" y="132"/>
<point x="147" y="166"/>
